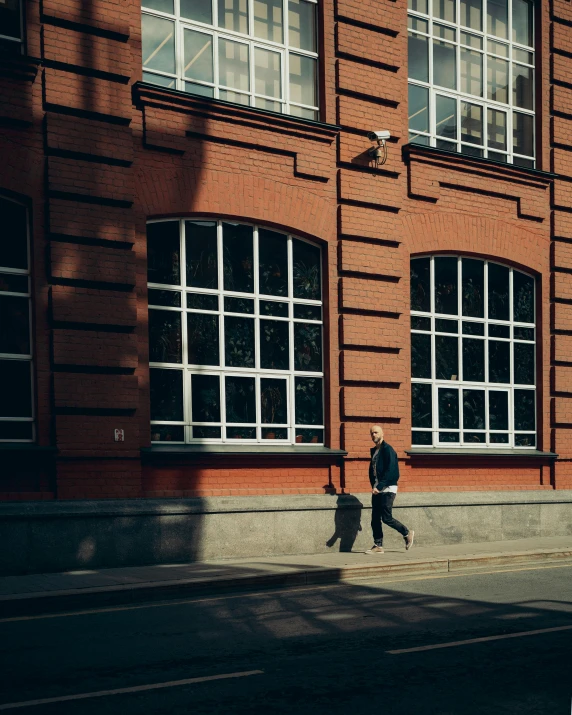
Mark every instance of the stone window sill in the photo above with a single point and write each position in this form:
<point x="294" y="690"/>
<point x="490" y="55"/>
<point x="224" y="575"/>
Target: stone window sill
<point x="470" y="452"/>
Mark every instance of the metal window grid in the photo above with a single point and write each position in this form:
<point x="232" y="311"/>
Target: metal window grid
<point x="221" y="371"/>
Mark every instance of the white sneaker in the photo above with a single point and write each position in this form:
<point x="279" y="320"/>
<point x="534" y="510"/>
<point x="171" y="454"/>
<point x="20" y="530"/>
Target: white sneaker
<point x="409" y="539"/>
<point x="375" y="549"/>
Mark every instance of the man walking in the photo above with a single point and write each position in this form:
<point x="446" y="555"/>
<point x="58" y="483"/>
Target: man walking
<point x="383" y="476"/>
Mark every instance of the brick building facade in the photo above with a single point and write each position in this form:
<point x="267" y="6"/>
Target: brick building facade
<point x="91" y="154"/>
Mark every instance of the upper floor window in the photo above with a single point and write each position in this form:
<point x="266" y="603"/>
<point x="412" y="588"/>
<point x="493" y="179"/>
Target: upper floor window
<point x="262" y="53"/>
<point x="11" y="27"/>
<point x="235" y="334"/>
<point x="16" y="403"/>
<point x="471" y="77"/>
<point x="473" y="352"/>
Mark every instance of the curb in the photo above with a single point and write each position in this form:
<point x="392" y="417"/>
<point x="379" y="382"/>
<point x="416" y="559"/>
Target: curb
<point x="54" y="602"/>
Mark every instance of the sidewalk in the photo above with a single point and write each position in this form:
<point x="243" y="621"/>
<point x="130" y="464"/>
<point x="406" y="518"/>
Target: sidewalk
<point x="76" y="590"/>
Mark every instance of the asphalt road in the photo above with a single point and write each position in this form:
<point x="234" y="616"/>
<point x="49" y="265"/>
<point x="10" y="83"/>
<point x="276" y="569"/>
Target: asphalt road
<point x="327" y="649"/>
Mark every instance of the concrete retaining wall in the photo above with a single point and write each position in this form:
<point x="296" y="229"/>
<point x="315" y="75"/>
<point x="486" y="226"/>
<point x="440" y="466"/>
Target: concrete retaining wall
<point x="40" y="537"/>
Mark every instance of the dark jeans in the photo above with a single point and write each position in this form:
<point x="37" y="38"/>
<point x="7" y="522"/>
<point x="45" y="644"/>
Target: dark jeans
<point x="381" y="506"/>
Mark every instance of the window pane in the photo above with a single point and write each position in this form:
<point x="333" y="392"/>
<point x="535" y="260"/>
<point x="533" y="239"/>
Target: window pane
<point x="473" y="360"/>
<point x="470" y="328"/>
<point x="11" y="283"/>
<point x="472" y="14"/>
<point x="206" y="432"/>
<point x="304" y="436"/>
<point x="420" y="355"/>
<point x="309" y="401"/>
<point x="524" y="363"/>
<point x="267" y="73"/>
<point x="418" y="54"/>
<point x="523" y="297"/>
<point x="448" y="408"/>
<point x="421" y="438"/>
<point x="418" y="6"/>
<point x="14" y="325"/>
<point x="497" y="18"/>
<point x="420" y="284"/>
<point x="473" y="273"/>
<point x="524" y="440"/>
<point x="167" y="433"/>
<point x="201" y="250"/>
<point x="444" y="65"/>
<point x="446" y="358"/>
<point x="273" y="401"/>
<point x="233" y="15"/>
<point x="307" y="312"/>
<point x="303" y="112"/>
<point x="498" y="298"/>
<point x="160" y="5"/>
<point x="496" y="129"/>
<point x="498" y="410"/>
<point x="238" y="258"/>
<point x="279" y="310"/>
<point x="524" y="410"/>
<point x="168" y="298"/>
<point x="16" y="430"/>
<point x="275" y="433"/>
<point x="163" y="250"/>
<point x="446" y="117"/>
<point x="418" y="108"/>
<point x="446" y="326"/>
<point x="308" y="347"/>
<point x="200" y="301"/>
<point x="522" y="86"/>
<point x="15" y="388"/>
<point x="274" y="345"/>
<point x="240" y="399"/>
<point x="499" y="438"/>
<point x="522" y="19"/>
<point x="471" y="72"/>
<point x="239" y="305"/>
<point x="524" y="333"/>
<point x="233" y="63"/>
<point x="303" y="80"/>
<point x="13" y="235"/>
<point x="198" y="56"/>
<point x="499" y="331"/>
<point x="10" y="18"/>
<point x="474" y="409"/>
<point x="419" y="323"/>
<point x="235" y="97"/>
<point x="205" y="403"/>
<point x="203" y="339"/>
<point x="158" y="44"/>
<point x="239" y="342"/>
<point x="302" y="25"/>
<point x="165" y="336"/>
<point x="475" y="437"/>
<point x="199" y="10"/>
<point x="444" y="10"/>
<point x="306" y="270"/>
<point x="471" y="123"/>
<point x="268" y="19"/>
<point x="166" y="387"/>
<point x="523" y="133"/>
<point x="497" y="80"/>
<point x="421" y="405"/>
<point x="241" y="432"/>
<point x="499" y="361"/>
<point x="159" y="80"/>
<point x="199" y="89"/>
<point x="446" y="286"/>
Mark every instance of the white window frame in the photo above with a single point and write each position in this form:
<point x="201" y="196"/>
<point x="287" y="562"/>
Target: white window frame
<point x="507" y="108"/>
<point x="16" y="356"/>
<point x="460" y="384"/>
<point x="253" y="42"/>
<point x="256" y="372"/>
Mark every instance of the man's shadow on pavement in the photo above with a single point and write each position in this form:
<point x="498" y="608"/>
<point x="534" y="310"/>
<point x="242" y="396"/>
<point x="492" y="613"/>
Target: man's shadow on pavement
<point x="347" y="522"/>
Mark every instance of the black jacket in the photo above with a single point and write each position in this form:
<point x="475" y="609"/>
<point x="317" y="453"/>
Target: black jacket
<point x="387" y="467"/>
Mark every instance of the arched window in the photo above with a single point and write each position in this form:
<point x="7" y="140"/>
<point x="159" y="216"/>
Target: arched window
<point x="235" y="334"/>
<point x="16" y="395"/>
<point x="473" y="366"/>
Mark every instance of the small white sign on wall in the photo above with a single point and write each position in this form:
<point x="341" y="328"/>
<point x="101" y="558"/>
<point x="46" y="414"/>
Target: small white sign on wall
<point x="119" y="435"/>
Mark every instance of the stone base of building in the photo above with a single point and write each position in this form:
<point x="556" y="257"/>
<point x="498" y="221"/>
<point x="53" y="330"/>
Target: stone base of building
<point x="61" y="536"/>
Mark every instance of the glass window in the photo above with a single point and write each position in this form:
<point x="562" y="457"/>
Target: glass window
<point x="475" y="51"/>
<point x="16" y="402"/>
<point x="11" y="27"/>
<point x="235" y="333"/>
<point x="240" y="51"/>
<point x="474" y="374"/>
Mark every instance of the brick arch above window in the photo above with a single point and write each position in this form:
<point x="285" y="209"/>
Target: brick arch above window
<point x="218" y="193"/>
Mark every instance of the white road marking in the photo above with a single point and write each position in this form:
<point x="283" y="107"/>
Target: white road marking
<point x="135" y="689"/>
<point x="484" y="639"/>
<point x="266" y="592"/>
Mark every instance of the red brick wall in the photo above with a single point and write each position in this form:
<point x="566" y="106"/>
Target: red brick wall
<point x="96" y="158"/>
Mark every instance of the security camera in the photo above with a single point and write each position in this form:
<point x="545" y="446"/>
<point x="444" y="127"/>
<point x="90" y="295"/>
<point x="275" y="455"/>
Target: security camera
<point x="378" y="136"/>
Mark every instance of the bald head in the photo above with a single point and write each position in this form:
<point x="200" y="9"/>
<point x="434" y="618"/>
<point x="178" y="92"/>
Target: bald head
<point x="376" y="433"/>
